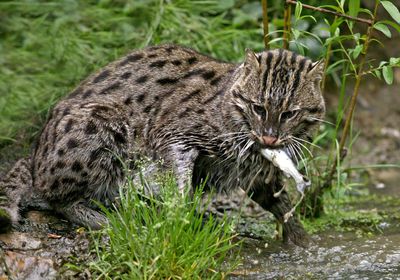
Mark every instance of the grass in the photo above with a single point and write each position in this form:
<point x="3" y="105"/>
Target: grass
<point x="48" y="47"/>
<point x="164" y="238"/>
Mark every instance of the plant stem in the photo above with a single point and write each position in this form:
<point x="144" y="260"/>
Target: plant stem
<point x="322" y="10"/>
<point x="286" y="26"/>
<point x="265" y="22"/>
<point x="327" y="56"/>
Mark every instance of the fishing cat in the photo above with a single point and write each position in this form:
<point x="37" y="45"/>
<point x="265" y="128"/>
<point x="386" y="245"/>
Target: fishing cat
<point x="202" y="117"/>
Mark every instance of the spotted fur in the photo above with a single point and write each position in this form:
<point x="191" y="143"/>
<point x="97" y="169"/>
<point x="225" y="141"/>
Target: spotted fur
<point x="202" y="117"/>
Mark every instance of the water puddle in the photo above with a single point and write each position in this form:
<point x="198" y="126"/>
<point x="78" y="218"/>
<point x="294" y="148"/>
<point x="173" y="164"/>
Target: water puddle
<point x="355" y="253"/>
<point x="332" y="256"/>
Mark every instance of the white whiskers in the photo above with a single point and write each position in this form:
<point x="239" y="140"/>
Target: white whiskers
<point x="321" y="120"/>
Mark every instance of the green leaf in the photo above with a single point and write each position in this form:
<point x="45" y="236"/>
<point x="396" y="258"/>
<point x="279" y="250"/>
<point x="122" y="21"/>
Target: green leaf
<point x="357" y="50"/>
<point x="366" y="11"/>
<point x="332" y="7"/>
<point x="394" y="61"/>
<point x="296" y="33"/>
<point x="383" y="28"/>
<point x="392" y="24"/>
<point x="309" y="16"/>
<point x="335" y="24"/>
<point x="337" y="32"/>
<point x="382" y="63"/>
<point x="342" y="4"/>
<point x="338" y="64"/>
<point x="392" y="10"/>
<point x="276" y="40"/>
<point x="387" y="73"/>
<point x="354" y="7"/>
<point x="378" y="74"/>
<point x="298" y="10"/>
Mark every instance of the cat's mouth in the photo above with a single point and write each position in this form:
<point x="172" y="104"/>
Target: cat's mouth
<point x="274" y="146"/>
<point x="267" y="141"/>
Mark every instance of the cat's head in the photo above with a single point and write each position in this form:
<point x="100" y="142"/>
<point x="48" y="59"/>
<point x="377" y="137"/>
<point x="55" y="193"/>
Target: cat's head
<point x="277" y="97"/>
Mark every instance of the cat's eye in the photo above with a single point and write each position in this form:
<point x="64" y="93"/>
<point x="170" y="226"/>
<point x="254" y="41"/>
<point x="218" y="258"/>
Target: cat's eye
<point x="288" y="115"/>
<point x="260" y="110"/>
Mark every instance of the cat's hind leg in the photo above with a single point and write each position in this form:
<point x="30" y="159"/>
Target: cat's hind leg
<point x="82" y="214"/>
<point x="13" y="186"/>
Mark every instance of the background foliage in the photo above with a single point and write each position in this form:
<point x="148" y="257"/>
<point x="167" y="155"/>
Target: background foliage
<point x="47" y="47"/>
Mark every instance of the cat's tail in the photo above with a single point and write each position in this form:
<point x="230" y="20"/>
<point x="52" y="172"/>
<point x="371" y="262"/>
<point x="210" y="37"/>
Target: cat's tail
<point x="13" y="186"/>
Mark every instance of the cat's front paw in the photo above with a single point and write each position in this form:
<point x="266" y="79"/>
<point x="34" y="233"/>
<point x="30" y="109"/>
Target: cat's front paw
<point x="294" y="232"/>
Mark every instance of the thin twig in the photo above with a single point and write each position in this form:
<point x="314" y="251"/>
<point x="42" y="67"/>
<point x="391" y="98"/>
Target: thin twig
<point x="265" y="23"/>
<point x="327" y="57"/>
<point x="322" y="10"/>
<point x="286" y="26"/>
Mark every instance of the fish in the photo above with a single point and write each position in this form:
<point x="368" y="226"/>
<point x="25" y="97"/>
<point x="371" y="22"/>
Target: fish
<point x="281" y="159"/>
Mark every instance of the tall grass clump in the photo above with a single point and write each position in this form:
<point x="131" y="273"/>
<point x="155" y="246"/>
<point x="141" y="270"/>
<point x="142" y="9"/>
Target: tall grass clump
<point x="163" y="238"/>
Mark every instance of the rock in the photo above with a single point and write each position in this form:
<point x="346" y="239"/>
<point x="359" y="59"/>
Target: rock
<point x="40" y="217"/>
<point x="393" y="259"/>
<point x="20" y="241"/>
<point x="384" y="225"/>
<point x="20" y="266"/>
<point x="390" y="132"/>
<point x="365" y="264"/>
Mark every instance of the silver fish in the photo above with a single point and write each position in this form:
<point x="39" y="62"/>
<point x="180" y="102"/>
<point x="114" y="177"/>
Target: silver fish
<point x="280" y="159"/>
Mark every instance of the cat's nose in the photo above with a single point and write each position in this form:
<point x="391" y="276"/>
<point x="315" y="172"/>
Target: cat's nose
<point x="269" y="140"/>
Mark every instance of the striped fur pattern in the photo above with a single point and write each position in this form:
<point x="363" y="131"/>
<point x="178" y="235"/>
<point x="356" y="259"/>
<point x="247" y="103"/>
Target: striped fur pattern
<point x="199" y="116"/>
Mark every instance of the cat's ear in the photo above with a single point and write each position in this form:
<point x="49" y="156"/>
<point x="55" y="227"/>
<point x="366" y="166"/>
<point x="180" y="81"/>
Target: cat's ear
<point x="252" y="60"/>
<point x="316" y="70"/>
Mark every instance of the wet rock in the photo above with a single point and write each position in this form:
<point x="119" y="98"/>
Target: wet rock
<point x="393" y="259"/>
<point x="336" y="249"/>
<point x="19" y="266"/>
<point x="390" y="132"/>
<point x="20" y="241"/>
<point x="365" y="264"/>
<point x="384" y="225"/>
<point x="40" y="217"/>
<point x="380" y="185"/>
